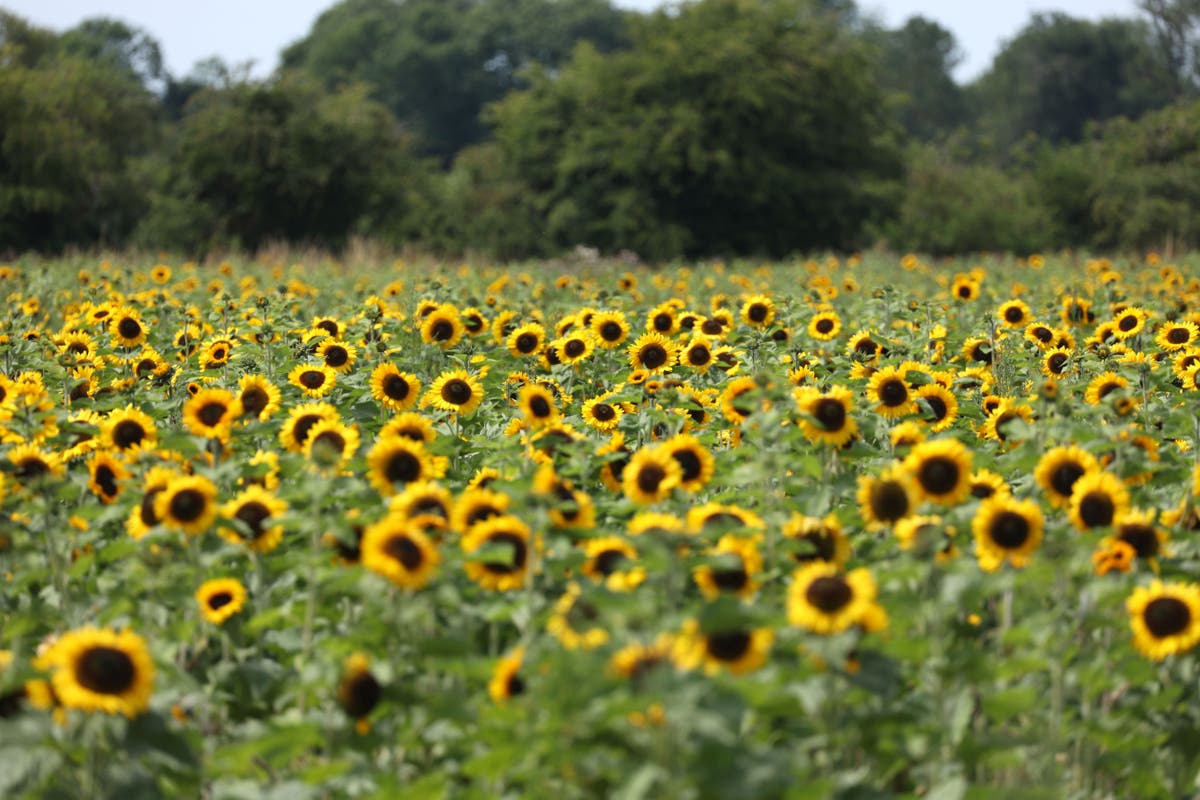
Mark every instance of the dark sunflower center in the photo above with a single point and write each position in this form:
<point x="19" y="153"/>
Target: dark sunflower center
<point x="254" y="400"/>
<point x="516" y="561"/>
<point x="312" y="379"/>
<point x="456" y="392"/>
<point x="653" y="356"/>
<point x="698" y="355"/>
<point x="727" y="646"/>
<point x="395" y="387"/>
<point x="829" y="593"/>
<point x="1096" y="509"/>
<point x="830" y="413"/>
<point x="218" y="354"/>
<point x="663" y="322"/>
<point x="106" y="480"/>
<point x="77" y="348"/>
<point x="1009" y="530"/>
<point x="145" y="366"/>
<point x="32" y="468"/>
<point x="540" y="407"/>
<point x="105" y="670"/>
<point x="757" y="312"/>
<point x="824" y="325"/>
<point x="1043" y="334"/>
<point x="220" y="600"/>
<point x="303" y="425"/>
<point x="964" y="292"/>
<point x="893" y="393"/>
<point x="889" y="501"/>
<point x="866" y="347"/>
<point x="1003" y="420"/>
<point x="212" y="413"/>
<point x="1141" y="538"/>
<point x="337" y="356"/>
<point x="939" y="475"/>
<point x="574" y="348"/>
<point x="329" y="326"/>
<point x="982" y="353"/>
<point x="649" y="477"/>
<point x="712" y="327"/>
<point x="937" y="407"/>
<point x="1013" y="314"/>
<point x="404" y="550"/>
<point x="359" y="693"/>
<point x="1166" y="616"/>
<point x="603" y="412"/>
<point x="188" y="505"/>
<point x="403" y="466"/>
<point x="527" y="343"/>
<point x="515" y="685"/>
<point x="473" y="323"/>
<point x="1064" y="476"/>
<point x="823" y="547"/>
<point x="1056" y="362"/>
<point x="1127" y="323"/>
<point x="254" y="514"/>
<point x="1178" y="336"/>
<point x="128" y="433"/>
<point x="730" y="580"/>
<point x="610" y="332"/>
<point x="609" y="561"/>
<point x="330" y="439"/>
<point x="689" y="463"/>
<point x="1106" y="388"/>
<point x="982" y="490"/>
<point x="149" y="518"/>
<point x="129" y="328"/>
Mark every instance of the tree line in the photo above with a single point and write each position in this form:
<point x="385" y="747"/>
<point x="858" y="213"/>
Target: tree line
<point x="521" y="128"/>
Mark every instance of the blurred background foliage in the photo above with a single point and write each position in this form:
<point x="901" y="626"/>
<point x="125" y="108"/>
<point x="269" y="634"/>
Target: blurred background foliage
<point x="518" y="128"/>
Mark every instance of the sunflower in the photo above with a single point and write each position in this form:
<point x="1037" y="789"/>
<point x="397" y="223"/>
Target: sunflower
<point x="887" y="498"/>
<point x="576" y="347"/>
<point x="1040" y="334"/>
<point x="127" y="328"/>
<point x="985" y="483"/>
<point x="476" y="505"/>
<point x="393" y="461"/>
<point x="455" y="391"/>
<point x="822" y="600"/>
<point x="758" y="310"/>
<point x="326" y="326"/>
<point x="926" y="534"/>
<point x="188" y="504"/>
<point x="697" y="354"/>
<point x="817" y="539"/>
<point x="106" y="473"/>
<point x="359" y="692"/>
<point x="143" y="517"/>
<point x="220" y="599"/>
<point x="1097" y="499"/>
<point x="425" y="498"/>
<point x="393" y="389"/>
<point x="99" y="669"/>
<point x="735" y="401"/>
<point x="978" y="349"/>
<point x="505" y="564"/>
<point x="443" y="326"/>
<point x="711" y="518"/>
<point x="210" y="413"/>
<point x="1056" y="362"/>
<point x="635" y="662"/>
<point x="1059" y="468"/>
<point x="611" y="329"/>
<point x="1103" y="384"/>
<point x="1137" y="529"/>
<point x="1077" y="311"/>
<point x="650" y="476"/>
<point x="31" y="464"/>
<point x="257" y="510"/>
<point x="937" y="406"/>
<point x="1165" y="618"/>
<point x="77" y="347"/>
<point x="537" y="405"/>
<point x="941" y="470"/>
<point x="1014" y="313"/>
<point x="825" y="325"/>
<point x="964" y="289"/>
<point x="1129" y="322"/>
<point x="739" y="651"/>
<point x="315" y="380"/>
<point x="570" y="620"/>
<point x="695" y="460"/>
<point x="1006" y="411"/>
<point x="1006" y="529"/>
<point x="300" y="422"/>
<point x="258" y="397"/>
<point x="733" y="563"/>
<point x="653" y="353"/>
<point x="409" y="425"/>
<point x="506" y="681"/>
<point x="337" y="355"/>
<point x="527" y="340"/>
<point x="473" y="321"/>
<point x="601" y="415"/>
<point x="1175" y="336"/>
<point x="216" y="353"/>
<point x="662" y="319"/>
<point x="330" y="444"/>
<point x="825" y="416"/>
<point x="609" y="561"/>
<point x="128" y="429"/>
<point x="149" y="364"/>
<point x="399" y="551"/>
<point x="863" y="347"/>
<point x="890" y="393"/>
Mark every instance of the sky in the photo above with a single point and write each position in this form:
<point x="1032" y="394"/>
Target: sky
<point x="256" y="30"/>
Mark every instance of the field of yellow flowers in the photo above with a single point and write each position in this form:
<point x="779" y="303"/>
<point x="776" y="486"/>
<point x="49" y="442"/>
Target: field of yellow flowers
<point x="855" y="528"/>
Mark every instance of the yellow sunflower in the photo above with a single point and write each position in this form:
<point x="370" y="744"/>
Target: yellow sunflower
<point x="128" y="429"/>
<point x="733" y="563"/>
<point x="188" y="504"/>
<point x="315" y="380"/>
<point x="650" y="476"/>
<point x="210" y="413"/>
<point x="822" y="600"/>
<point x="739" y="651"/>
<point x="611" y="561"/>
<point x="258" y="397"/>
<point x="395" y="461"/>
<point x="825" y="416"/>
<point x="393" y="389"/>
<point x="1006" y="529"/>
<point x="1059" y="468"/>
<point x="220" y="599"/>
<point x="399" y="551"/>
<point x="300" y="422"/>
<point x="941" y="470"/>
<point x="890" y="393"/>
<point x="505" y="561"/>
<point x="1097" y="499"/>
<point x="258" y="511"/>
<point x="887" y="498"/>
<point x="339" y="356"/>
<point x="1165" y="618"/>
<point x="99" y="669"/>
<point x="456" y="391"/>
<point x="695" y="461"/>
<point x="653" y="353"/>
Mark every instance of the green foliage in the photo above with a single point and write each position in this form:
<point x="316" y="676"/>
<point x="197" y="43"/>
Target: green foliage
<point x="916" y="62"/>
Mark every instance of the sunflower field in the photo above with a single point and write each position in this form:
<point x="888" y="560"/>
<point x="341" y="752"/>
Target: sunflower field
<point x="856" y="527"/>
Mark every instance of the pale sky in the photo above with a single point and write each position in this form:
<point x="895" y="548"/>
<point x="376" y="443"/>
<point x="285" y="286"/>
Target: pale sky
<point x="243" y="30"/>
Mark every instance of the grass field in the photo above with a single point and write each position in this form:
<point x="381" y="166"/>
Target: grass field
<point x="857" y="528"/>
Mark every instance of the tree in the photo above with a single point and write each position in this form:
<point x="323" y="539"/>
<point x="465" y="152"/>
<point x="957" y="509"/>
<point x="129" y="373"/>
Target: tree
<point x="916" y="63"/>
<point x="436" y="63"/>
<point x="119" y="46"/>
<point x="732" y="126"/>
<point x="1176" y="25"/>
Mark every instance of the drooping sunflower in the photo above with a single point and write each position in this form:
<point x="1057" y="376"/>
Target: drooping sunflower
<point x="456" y="391"/>
<point x="739" y="651"/>
<point x="399" y="551"/>
<point x="822" y="600"/>
<point x="220" y="599"/>
<point x="506" y="541"/>
<point x="941" y="470"/>
<point x="315" y="380"/>
<point x="825" y="416"/>
<point x="572" y="622"/>
<point x="396" y="461"/>
<point x="443" y="326"/>
<point x="1097" y="499"/>
<point x="695" y="460"/>
<point x="1165" y="618"/>
<point x="734" y="562"/>
<point x="527" y="340"/>
<point x="300" y="422"/>
<point x="650" y="476"/>
<point x="359" y="691"/>
<point x="825" y="325"/>
<point x="107" y="474"/>
<point x="210" y="413"/>
<point x="815" y="539"/>
<point x="129" y="428"/>
<point x="612" y="561"/>
<point x="339" y="356"/>
<point x="1006" y="529"/>
<point x="758" y="310"/>
<point x="99" y="669"/>
<point x="188" y="504"/>
<point x="1059" y="468"/>
<point x="331" y="443"/>
<point x="653" y="353"/>
<point x="1014" y="313"/>
<point x="890" y="393"/>
<point x="506" y="682"/>
<point x="887" y="498"/>
<point x="393" y="389"/>
<point x="1102" y="385"/>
